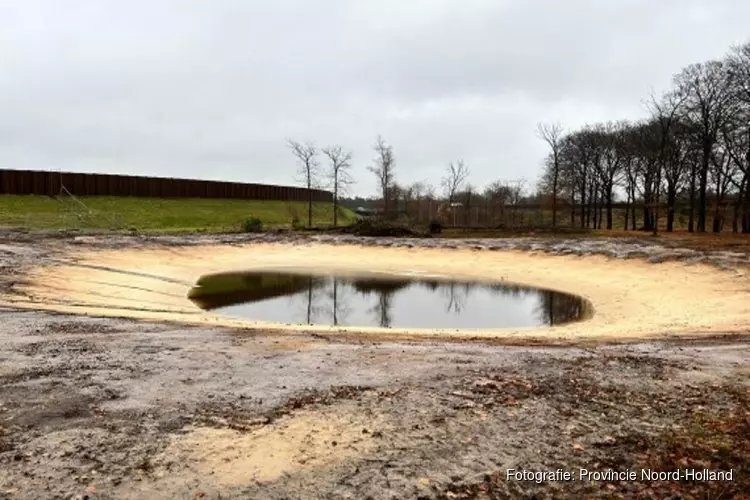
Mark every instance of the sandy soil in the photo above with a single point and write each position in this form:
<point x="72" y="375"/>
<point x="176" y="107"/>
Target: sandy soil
<point x="108" y="408"/>
<point x="631" y="298"/>
<point x="105" y="408"/>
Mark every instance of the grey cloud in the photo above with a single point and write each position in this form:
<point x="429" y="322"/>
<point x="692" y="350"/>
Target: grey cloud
<point x="212" y="89"/>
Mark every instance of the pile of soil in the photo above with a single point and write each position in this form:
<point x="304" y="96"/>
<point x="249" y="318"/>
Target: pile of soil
<point x="375" y="228"/>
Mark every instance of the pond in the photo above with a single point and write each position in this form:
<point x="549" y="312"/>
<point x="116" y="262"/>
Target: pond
<point x="379" y="300"/>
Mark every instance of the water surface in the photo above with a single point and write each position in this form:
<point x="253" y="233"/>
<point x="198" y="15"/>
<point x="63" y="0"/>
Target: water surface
<point x="384" y="301"/>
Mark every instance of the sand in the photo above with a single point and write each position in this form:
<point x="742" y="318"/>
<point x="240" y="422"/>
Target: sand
<point x="307" y="440"/>
<point x="631" y="298"/>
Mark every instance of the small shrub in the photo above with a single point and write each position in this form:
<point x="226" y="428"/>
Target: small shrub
<point x="252" y="225"/>
<point x="294" y="214"/>
<point x="436" y="227"/>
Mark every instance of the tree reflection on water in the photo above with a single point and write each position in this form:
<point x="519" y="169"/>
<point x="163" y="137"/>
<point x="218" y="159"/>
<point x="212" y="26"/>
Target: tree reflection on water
<point x="327" y="299"/>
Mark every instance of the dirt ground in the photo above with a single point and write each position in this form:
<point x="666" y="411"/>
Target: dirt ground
<point x="99" y="408"/>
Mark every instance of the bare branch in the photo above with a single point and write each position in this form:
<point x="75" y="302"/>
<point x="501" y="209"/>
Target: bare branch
<point x="338" y="174"/>
<point x="456" y="176"/>
<point x="306" y="155"/>
<point x="383" y="170"/>
<point x="551" y="133"/>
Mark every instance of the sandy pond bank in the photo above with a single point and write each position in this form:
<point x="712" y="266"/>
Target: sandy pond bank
<point x="632" y="298"/>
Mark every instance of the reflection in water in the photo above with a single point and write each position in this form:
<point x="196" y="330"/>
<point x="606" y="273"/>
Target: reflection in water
<point x="385" y="301"/>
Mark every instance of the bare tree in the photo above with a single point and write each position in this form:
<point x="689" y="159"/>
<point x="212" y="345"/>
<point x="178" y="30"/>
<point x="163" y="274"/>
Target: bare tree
<point x="738" y="70"/>
<point x="607" y="141"/>
<point x="384" y="170"/>
<point x="721" y="175"/>
<point x="516" y="193"/>
<point x="708" y="104"/>
<point x="739" y="80"/>
<point x="430" y="194"/>
<point x="416" y="196"/>
<point x="306" y="155"/>
<point x="665" y="112"/>
<point x="455" y="177"/>
<point x="469" y="196"/>
<point x="552" y="134"/>
<point x="338" y="174"/>
<point x="679" y="165"/>
<point x="497" y="195"/>
<point x="737" y="144"/>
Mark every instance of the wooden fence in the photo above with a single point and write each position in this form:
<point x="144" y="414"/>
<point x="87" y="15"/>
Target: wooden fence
<point x="26" y="182"/>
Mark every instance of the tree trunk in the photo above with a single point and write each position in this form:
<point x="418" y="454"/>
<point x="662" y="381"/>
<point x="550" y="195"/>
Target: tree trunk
<point x="736" y="212"/>
<point x="591" y="199"/>
<point x="309" y="205"/>
<point x="691" y="221"/>
<point x="703" y="187"/>
<point x="671" y="199"/>
<point x="609" y="207"/>
<point x="655" y="212"/>
<point x="627" y="209"/>
<point x="583" y="204"/>
<point x="386" y="194"/>
<point x="572" y="208"/>
<point x="718" y="224"/>
<point x="335" y="202"/>
<point x="554" y="194"/>
<point x="595" y="207"/>
<point x="648" y="199"/>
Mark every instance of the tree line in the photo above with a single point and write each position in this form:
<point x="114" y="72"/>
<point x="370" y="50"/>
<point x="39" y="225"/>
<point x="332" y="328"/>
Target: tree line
<point x="689" y="155"/>
<point x="420" y="201"/>
<point x="693" y="151"/>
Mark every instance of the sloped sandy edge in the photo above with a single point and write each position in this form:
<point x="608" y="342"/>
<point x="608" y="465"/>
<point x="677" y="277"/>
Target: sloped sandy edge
<point x="632" y="298"/>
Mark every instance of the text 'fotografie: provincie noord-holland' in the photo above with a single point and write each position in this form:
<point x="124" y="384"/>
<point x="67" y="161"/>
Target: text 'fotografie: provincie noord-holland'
<point x="613" y="475"/>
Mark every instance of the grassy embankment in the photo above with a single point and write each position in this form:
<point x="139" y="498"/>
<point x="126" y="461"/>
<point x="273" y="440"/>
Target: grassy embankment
<point x="156" y="214"/>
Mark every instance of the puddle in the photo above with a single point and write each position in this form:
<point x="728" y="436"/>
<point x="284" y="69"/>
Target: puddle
<point x="375" y="300"/>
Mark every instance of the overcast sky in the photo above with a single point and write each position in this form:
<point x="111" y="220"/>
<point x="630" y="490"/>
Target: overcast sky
<point x="212" y="89"/>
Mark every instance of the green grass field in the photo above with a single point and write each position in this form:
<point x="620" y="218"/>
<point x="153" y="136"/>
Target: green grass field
<point x="156" y="214"/>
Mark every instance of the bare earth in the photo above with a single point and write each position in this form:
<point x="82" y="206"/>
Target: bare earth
<point x="161" y="401"/>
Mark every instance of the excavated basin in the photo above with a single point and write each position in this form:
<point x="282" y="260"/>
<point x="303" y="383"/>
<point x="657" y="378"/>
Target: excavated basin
<point x="383" y="300"/>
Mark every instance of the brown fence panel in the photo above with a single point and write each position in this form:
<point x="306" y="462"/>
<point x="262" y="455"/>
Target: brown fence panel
<point x="90" y="182"/>
<point x="77" y="183"/>
<point x="26" y="182"/>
